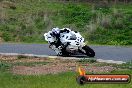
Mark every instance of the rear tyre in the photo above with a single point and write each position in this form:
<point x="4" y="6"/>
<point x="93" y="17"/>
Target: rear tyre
<point x="89" y="52"/>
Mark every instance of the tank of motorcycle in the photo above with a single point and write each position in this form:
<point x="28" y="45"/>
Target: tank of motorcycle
<point x="76" y="42"/>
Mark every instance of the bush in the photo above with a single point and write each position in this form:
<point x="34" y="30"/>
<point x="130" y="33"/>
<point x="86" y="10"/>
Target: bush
<point x="87" y="60"/>
<point x="22" y="56"/>
<point x="98" y="23"/>
<point x="111" y="36"/>
<point x="76" y="14"/>
<point x="118" y="24"/>
<point x="106" y="22"/>
<point x="4" y="66"/>
<point x="103" y="7"/>
<point x="6" y="36"/>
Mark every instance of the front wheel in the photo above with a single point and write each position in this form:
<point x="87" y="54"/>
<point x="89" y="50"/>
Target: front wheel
<point x="64" y="52"/>
<point x="89" y="52"/>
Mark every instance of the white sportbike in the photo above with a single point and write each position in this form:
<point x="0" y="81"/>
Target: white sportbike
<point x="72" y="42"/>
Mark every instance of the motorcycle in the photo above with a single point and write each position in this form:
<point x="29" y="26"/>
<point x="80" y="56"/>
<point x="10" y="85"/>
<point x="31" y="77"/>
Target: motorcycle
<point x="72" y="42"/>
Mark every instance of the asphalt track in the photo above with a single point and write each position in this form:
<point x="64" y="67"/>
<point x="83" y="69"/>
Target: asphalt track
<point x="116" y="53"/>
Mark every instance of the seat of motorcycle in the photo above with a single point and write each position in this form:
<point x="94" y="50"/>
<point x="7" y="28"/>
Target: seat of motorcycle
<point x="65" y="30"/>
<point x="75" y="31"/>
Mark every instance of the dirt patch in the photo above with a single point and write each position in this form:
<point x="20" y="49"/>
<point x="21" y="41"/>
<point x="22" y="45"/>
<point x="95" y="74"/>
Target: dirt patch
<point x="52" y="66"/>
<point x="54" y="69"/>
<point x="7" y="4"/>
<point x="45" y="69"/>
<point x="26" y="59"/>
<point x="7" y="58"/>
<point x="55" y="66"/>
<point x="58" y="66"/>
<point x="100" y="69"/>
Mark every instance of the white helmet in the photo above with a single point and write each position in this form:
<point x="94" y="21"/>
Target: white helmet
<point x="56" y="30"/>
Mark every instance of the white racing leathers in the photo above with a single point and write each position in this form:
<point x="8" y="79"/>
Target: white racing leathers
<point x="72" y="42"/>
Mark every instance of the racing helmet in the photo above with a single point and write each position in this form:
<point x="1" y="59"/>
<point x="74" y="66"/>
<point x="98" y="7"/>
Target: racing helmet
<point x="55" y="31"/>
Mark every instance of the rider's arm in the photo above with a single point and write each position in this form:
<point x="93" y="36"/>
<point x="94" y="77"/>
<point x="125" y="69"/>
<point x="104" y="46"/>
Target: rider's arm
<point x="50" y="38"/>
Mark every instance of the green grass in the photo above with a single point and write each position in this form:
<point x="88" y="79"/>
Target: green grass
<point x="110" y="25"/>
<point x="30" y="63"/>
<point x="7" y="65"/>
<point x="62" y="80"/>
<point x="127" y="65"/>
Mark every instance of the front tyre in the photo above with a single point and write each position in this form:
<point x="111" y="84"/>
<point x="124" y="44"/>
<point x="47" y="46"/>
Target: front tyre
<point x="64" y="52"/>
<point x="89" y="52"/>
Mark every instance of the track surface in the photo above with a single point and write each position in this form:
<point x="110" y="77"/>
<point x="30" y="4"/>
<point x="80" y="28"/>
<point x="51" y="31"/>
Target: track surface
<point x="115" y="53"/>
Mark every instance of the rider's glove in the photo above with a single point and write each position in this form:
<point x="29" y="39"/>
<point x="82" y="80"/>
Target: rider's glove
<point x="60" y="47"/>
<point x="59" y="54"/>
<point x="52" y="46"/>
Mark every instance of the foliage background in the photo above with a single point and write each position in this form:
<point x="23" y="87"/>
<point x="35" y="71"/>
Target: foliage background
<point x="99" y="21"/>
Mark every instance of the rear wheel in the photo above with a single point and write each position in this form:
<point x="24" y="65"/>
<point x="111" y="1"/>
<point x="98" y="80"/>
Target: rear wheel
<point x="89" y="52"/>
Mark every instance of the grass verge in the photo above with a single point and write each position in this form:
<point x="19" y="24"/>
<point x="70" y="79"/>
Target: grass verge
<point x="60" y="80"/>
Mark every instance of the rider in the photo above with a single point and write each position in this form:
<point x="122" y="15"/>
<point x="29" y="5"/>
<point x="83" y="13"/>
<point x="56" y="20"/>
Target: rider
<point x="56" y="34"/>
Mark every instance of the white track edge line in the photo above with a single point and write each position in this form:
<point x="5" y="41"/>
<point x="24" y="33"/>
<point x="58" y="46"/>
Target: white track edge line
<point x="98" y="60"/>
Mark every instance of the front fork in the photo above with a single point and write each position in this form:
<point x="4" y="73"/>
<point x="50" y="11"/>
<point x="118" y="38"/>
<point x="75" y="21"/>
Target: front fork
<point x="81" y="49"/>
<point x="58" y="51"/>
